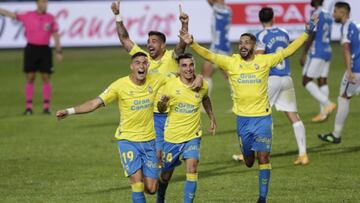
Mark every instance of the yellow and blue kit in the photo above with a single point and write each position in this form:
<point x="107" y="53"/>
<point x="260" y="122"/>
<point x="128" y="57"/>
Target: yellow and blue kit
<point x="167" y="66"/>
<point x="183" y="125"/>
<point x="248" y="80"/>
<point x="135" y="133"/>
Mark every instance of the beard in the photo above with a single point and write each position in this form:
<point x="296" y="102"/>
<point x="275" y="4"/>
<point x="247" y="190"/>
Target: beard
<point x="247" y="55"/>
<point x="337" y="20"/>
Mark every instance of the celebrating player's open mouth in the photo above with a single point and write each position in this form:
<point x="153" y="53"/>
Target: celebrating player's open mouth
<point x="141" y="74"/>
<point x="152" y="51"/>
<point x="244" y="51"/>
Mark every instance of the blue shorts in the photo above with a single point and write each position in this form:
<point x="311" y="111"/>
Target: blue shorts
<point x="139" y="156"/>
<point x="255" y="134"/>
<point x="174" y="152"/>
<point x="159" y="124"/>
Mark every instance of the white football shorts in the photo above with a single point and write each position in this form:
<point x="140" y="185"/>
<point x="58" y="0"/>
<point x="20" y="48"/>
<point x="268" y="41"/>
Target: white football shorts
<point x="316" y="68"/>
<point x="282" y="93"/>
<point x="349" y="88"/>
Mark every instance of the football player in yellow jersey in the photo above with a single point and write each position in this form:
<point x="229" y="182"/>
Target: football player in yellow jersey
<point x="135" y="95"/>
<point x="161" y="60"/>
<point x="183" y="127"/>
<point x="248" y="75"/>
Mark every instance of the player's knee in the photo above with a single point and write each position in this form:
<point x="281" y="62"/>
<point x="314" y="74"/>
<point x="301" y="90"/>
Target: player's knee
<point x="30" y="78"/>
<point x="345" y="96"/>
<point x="264" y="159"/>
<point x="150" y="189"/>
<point x="46" y="80"/>
<point x="165" y="177"/>
<point x="191" y="165"/>
<point x="306" y="80"/>
<point x="322" y="81"/>
<point x="192" y="168"/>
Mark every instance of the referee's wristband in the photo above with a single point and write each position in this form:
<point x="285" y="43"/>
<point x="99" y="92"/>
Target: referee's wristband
<point x="71" y="111"/>
<point x="118" y="18"/>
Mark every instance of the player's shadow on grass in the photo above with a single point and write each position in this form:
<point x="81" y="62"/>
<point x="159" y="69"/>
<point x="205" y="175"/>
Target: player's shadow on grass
<point x="342" y="150"/>
<point x="320" y="149"/>
<point x="223" y="169"/>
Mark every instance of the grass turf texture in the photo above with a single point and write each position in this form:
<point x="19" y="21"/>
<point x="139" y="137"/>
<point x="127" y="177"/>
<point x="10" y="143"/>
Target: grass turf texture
<point x="75" y="160"/>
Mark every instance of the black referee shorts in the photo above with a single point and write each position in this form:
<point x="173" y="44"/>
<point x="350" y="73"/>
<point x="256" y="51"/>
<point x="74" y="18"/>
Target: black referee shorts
<point x="38" y="58"/>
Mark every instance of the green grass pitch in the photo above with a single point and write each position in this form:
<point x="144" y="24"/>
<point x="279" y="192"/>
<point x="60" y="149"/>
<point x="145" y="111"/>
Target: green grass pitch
<point x="75" y="160"/>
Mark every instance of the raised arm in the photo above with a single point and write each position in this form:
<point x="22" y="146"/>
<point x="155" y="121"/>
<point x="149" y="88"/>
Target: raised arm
<point x="296" y="44"/>
<point x="58" y="49"/>
<point x="181" y="46"/>
<point x="85" y="107"/>
<point x="121" y="30"/>
<point x="208" y="108"/>
<point x="221" y="60"/>
<point x="7" y="13"/>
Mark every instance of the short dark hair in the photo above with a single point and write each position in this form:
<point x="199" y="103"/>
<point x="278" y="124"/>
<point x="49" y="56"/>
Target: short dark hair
<point x="345" y="5"/>
<point x="159" y="34"/>
<point x="184" y="56"/>
<point x="137" y="54"/>
<point x="247" y="34"/>
<point x="266" y="14"/>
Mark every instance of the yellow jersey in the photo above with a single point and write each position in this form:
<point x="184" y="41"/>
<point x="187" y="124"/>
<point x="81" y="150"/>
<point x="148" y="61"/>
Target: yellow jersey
<point x="166" y="66"/>
<point x="249" y="79"/>
<point x="136" y="104"/>
<point x="183" y="121"/>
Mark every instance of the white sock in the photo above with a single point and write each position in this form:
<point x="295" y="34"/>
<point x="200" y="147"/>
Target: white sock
<point x="317" y="94"/>
<point x="341" y="115"/>
<point x="325" y="90"/>
<point x="299" y="130"/>
<point x="210" y="83"/>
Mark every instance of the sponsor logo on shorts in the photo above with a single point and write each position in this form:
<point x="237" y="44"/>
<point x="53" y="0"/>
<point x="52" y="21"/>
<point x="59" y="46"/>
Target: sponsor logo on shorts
<point x="192" y="148"/>
<point x="263" y="140"/>
<point x="151" y="164"/>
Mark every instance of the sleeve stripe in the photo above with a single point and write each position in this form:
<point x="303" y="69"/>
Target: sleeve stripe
<point x="345" y="31"/>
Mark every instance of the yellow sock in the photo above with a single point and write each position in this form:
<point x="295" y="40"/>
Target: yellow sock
<point x="192" y="177"/>
<point x="137" y="187"/>
<point x="264" y="166"/>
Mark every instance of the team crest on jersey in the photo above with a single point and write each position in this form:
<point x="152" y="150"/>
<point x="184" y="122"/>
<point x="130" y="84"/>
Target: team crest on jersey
<point x="177" y="91"/>
<point x="47" y="26"/>
<point x="256" y="66"/>
<point x="150" y="90"/>
<point x="131" y="92"/>
<point x="197" y="95"/>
